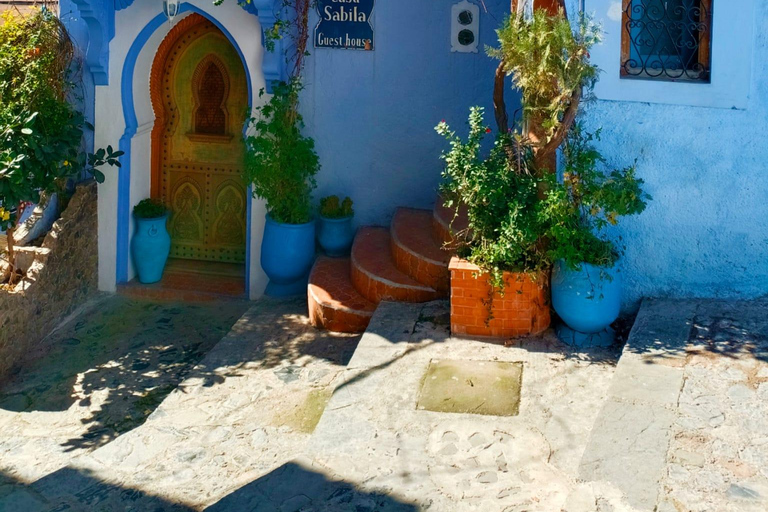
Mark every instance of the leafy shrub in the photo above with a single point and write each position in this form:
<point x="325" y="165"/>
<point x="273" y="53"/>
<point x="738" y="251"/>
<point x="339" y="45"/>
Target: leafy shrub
<point x="40" y="130"/>
<point x="280" y="162"/>
<point x="332" y="208"/>
<point x="149" y="209"/>
<point x="588" y="200"/>
<point x="549" y="64"/>
<point x="506" y="219"/>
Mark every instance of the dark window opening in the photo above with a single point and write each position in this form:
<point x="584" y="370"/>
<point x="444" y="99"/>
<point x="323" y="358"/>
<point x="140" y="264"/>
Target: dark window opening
<point x="667" y="39"/>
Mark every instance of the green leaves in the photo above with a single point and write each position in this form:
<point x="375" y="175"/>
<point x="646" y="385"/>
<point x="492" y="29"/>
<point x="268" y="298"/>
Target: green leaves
<point x="332" y="207"/>
<point x="280" y="162"/>
<point x="548" y="61"/>
<point x="500" y="198"/>
<point x="101" y="157"/>
<point x="588" y="201"/>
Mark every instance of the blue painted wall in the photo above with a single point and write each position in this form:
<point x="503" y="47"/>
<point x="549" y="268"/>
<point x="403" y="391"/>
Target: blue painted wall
<point x="706" y="232"/>
<point x="372" y="114"/>
<point x="70" y="16"/>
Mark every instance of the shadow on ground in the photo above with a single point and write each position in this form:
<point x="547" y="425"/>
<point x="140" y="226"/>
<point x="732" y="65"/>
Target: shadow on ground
<point x="113" y="365"/>
<point x="674" y="329"/>
<point x="289" y="488"/>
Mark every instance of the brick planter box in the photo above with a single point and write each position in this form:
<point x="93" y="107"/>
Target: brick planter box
<point x="522" y="310"/>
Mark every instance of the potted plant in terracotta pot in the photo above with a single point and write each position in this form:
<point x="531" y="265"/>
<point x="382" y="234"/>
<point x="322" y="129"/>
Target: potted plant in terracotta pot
<point x="499" y="279"/>
<point x="335" y="233"/>
<point x="586" y="278"/>
<point x="151" y="243"/>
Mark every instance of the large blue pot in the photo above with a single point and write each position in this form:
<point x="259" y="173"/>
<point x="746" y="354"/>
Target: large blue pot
<point x="588" y="300"/>
<point x="287" y="254"/>
<point x="150" y="248"/>
<point x="335" y="236"/>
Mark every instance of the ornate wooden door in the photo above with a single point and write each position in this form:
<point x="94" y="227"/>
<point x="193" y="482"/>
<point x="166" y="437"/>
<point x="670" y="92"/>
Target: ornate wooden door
<point x="197" y="143"/>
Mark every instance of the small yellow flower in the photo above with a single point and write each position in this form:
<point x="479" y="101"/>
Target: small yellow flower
<point x="66" y="163"/>
<point x="4" y="214"/>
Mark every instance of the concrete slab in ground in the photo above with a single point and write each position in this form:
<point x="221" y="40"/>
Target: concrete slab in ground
<point x="373" y="435"/>
<point x="472" y="387"/>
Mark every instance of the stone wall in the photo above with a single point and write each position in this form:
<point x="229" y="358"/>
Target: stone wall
<point x="62" y="275"/>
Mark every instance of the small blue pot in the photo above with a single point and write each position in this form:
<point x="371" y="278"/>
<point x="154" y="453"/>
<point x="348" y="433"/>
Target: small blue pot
<point x="150" y="248"/>
<point x="335" y="236"/>
<point x="287" y="254"/>
<point x="588" y="300"/>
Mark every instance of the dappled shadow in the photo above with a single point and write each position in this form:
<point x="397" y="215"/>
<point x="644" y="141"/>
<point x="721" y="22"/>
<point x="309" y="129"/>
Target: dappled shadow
<point x="114" y="364"/>
<point x="292" y="487"/>
<point x="671" y="331"/>
<point x="734" y="330"/>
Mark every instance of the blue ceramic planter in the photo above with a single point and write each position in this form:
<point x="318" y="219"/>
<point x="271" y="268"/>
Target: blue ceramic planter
<point x="588" y="300"/>
<point x="287" y="254"/>
<point x="335" y="236"/>
<point x="150" y="248"/>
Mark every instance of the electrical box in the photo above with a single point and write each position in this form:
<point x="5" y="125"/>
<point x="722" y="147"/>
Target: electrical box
<point x="465" y="27"/>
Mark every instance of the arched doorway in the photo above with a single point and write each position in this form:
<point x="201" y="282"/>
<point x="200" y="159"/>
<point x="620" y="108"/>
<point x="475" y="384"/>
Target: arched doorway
<point x="199" y="95"/>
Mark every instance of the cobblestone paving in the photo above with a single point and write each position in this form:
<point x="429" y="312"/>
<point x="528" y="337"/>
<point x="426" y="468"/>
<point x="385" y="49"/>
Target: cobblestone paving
<point x="246" y="409"/>
<point x="718" y="456"/>
<point x="277" y="417"/>
<point x="101" y="375"/>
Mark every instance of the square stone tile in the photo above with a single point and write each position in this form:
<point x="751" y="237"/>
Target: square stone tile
<point x="472" y="387"/>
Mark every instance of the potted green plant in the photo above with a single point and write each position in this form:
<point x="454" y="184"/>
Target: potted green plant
<point x="335" y="233"/>
<point x="281" y="165"/>
<point x="586" y="278"/>
<point x="151" y="243"/>
<point x="499" y="279"/>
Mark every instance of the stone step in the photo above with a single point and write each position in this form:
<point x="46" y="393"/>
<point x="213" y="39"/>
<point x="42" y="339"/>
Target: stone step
<point x="334" y="303"/>
<point x="630" y="438"/>
<point x="375" y="275"/>
<point x="445" y="222"/>
<point x="417" y="252"/>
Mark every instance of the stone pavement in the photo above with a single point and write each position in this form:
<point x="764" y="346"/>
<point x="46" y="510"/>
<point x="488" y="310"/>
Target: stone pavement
<point x="100" y="375"/>
<point x="685" y="428"/>
<point x="680" y="423"/>
<point x="373" y="436"/>
<point x="247" y="408"/>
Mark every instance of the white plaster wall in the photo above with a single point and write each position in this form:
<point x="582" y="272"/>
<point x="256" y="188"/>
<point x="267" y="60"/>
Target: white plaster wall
<point x="110" y="125"/>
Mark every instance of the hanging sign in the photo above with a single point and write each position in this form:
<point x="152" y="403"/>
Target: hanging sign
<point x="344" y="24"/>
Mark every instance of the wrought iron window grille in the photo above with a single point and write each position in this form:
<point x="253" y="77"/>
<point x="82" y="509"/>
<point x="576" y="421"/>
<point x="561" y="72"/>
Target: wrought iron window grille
<point x="667" y="40"/>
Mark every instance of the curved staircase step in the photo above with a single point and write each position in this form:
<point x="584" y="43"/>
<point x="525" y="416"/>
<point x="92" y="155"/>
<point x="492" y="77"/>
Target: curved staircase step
<point x="416" y="252"/>
<point x="445" y="222"/>
<point x="334" y="304"/>
<point x="375" y="275"/>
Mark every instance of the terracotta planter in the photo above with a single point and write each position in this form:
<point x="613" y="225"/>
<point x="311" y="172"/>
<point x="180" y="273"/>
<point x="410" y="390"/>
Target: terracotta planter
<point x="523" y="309"/>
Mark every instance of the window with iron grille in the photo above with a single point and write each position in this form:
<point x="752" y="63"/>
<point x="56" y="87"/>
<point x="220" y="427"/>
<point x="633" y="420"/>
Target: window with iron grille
<point x="667" y="40"/>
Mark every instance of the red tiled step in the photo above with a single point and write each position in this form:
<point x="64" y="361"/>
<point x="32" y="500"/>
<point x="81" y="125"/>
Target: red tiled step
<point x="334" y="304"/>
<point x="190" y="281"/>
<point x="375" y="275"/>
<point x="416" y="252"/>
<point x="445" y="222"/>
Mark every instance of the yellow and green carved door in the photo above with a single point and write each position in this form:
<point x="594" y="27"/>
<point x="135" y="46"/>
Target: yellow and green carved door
<point x="204" y="92"/>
